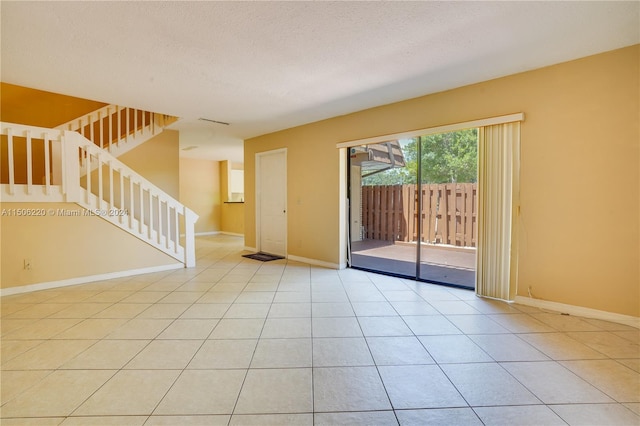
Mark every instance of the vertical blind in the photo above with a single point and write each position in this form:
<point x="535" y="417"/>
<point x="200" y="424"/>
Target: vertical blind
<point x="498" y="203"/>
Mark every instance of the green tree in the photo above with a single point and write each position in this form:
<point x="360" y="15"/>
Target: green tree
<point x="446" y="157"/>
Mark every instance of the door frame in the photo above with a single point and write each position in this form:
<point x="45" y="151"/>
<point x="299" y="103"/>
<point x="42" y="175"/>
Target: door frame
<point x="258" y="162"/>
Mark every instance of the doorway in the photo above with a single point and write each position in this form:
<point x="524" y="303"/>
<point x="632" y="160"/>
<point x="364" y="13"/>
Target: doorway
<point x="271" y="202"/>
<point x="414" y="207"/>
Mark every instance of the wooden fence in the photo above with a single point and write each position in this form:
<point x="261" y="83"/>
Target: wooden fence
<point x="449" y="213"/>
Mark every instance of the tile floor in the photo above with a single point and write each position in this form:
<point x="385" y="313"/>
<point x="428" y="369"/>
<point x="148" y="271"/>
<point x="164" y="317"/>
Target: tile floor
<point x="240" y="342"/>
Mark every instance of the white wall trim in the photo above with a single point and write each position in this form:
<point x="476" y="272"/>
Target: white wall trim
<point x="316" y="262"/>
<point x="579" y="311"/>
<point x="202" y="234"/>
<point x="233" y="234"/>
<point x="434" y="130"/>
<point x="88" y="279"/>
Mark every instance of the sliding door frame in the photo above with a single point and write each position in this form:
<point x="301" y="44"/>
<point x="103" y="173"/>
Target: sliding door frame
<point x="344" y="146"/>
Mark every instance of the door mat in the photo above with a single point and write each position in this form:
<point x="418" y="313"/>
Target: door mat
<point x="263" y="257"/>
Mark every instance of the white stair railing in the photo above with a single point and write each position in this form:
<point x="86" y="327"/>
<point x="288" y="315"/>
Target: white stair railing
<point x="48" y="165"/>
<point x="115" y="128"/>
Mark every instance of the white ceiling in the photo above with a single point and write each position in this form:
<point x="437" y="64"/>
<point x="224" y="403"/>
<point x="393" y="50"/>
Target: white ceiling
<point x="266" y="66"/>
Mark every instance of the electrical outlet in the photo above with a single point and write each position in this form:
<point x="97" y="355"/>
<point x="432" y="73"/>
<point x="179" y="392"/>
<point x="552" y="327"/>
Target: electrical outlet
<point x="28" y="264"/>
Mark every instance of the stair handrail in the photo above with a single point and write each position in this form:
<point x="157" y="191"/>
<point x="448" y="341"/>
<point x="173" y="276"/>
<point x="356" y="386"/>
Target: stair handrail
<point x="64" y="152"/>
<point x="53" y="173"/>
<point x="131" y="127"/>
<point x="75" y="141"/>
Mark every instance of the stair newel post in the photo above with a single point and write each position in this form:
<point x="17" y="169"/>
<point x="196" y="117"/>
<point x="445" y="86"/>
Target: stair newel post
<point x="190" y="219"/>
<point x="70" y="166"/>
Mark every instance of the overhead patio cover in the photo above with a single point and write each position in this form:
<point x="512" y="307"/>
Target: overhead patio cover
<point x="375" y="158"/>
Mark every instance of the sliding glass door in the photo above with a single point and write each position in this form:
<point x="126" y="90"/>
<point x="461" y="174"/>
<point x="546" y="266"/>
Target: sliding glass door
<point x="413" y="207"/>
<point x="381" y="189"/>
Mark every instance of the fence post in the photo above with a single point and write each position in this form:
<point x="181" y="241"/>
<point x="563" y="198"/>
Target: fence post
<point x="448" y="213"/>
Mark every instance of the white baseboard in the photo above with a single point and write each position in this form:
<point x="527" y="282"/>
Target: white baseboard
<point x="315" y="262"/>
<point x="234" y="234"/>
<point x="202" y="234"/>
<point x="88" y="279"/>
<point x="579" y="311"/>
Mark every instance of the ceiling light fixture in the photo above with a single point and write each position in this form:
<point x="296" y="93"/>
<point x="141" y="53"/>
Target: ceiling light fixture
<point x="213" y="121"/>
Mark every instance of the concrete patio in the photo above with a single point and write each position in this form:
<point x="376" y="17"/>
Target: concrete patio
<point x="438" y="263"/>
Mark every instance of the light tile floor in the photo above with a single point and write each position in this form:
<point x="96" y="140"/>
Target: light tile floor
<point x="241" y="342"/>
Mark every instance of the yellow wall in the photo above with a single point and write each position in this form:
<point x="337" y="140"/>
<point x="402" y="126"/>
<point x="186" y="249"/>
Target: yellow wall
<point x="200" y="191"/>
<point x="65" y="247"/>
<point x="158" y="161"/>
<point x="33" y="107"/>
<point x="580" y="184"/>
<point x="233" y="218"/>
<point x="225" y="175"/>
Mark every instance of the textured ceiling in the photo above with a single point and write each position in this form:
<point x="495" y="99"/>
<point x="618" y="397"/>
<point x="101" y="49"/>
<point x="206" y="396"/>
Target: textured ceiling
<point x="266" y="66"/>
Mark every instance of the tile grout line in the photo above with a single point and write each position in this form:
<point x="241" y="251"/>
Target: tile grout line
<point x="375" y="364"/>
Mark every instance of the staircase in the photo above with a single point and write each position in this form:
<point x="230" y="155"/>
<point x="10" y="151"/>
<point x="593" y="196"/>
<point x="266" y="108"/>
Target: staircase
<point x="62" y="165"/>
<point x="118" y="129"/>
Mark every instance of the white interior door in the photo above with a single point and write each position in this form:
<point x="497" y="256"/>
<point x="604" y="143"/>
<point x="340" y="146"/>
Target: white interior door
<point x="271" y="194"/>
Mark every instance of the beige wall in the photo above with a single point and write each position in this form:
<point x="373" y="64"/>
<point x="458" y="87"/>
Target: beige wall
<point x="580" y="183"/>
<point x="65" y="247"/>
<point x="158" y="161"/>
<point x="200" y="191"/>
<point x="232" y="214"/>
